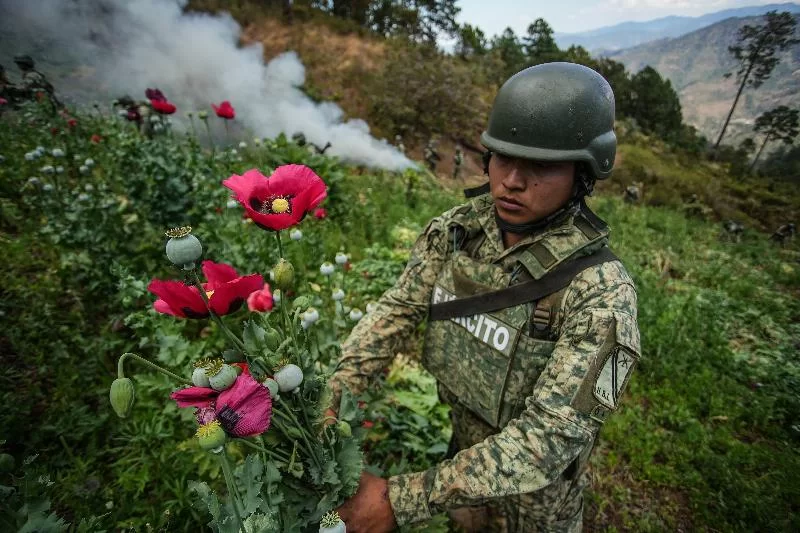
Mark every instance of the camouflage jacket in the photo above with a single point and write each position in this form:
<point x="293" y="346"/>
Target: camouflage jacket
<point x="535" y="458"/>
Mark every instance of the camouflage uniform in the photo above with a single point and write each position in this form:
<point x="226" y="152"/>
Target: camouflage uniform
<point x="632" y="194"/>
<point x="784" y="234"/>
<point x="431" y="155"/>
<point x="529" y="386"/>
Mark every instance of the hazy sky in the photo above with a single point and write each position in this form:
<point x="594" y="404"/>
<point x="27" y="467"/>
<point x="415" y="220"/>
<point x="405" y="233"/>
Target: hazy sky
<point x="572" y="16"/>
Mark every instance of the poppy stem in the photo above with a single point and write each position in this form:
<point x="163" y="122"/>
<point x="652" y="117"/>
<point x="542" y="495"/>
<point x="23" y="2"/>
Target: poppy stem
<point x="210" y="138"/>
<point x="273" y="454"/>
<point x="280" y="246"/>
<point x="238" y="344"/>
<point x="227" y="471"/>
<point x="121" y="371"/>
<point x="227" y="131"/>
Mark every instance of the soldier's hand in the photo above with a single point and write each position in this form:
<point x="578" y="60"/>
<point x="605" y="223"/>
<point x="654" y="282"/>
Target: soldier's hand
<point x="369" y="510"/>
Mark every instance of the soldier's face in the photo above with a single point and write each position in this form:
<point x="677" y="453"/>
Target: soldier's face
<point x="527" y="191"/>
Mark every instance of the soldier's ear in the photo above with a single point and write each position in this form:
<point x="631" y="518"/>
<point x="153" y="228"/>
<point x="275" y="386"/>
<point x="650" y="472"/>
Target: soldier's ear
<point x="486" y="157"/>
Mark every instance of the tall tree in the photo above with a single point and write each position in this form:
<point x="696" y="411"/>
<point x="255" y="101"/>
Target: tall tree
<point x="654" y="104"/>
<point x="755" y="50"/>
<point x="471" y="41"/>
<point x="779" y="124"/>
<point x="539" y="45"/>
<point x="510" y="51"/>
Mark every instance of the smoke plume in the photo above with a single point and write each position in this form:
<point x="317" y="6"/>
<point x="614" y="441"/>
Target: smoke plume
<point x="101" y="49"/>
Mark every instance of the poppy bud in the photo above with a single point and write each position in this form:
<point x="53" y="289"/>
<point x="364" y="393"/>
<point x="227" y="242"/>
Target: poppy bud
<point x="344" y="429"/>
<point x="284" y="274"/>
<point x="211" y="436"/>
<point x="202" y="115"/>
<point x="220" y="375"/>
<point x="183" y="248"/>
<point x="273" y="338"/>
<point x="122" y="396"/>
<point x="289" y="377"/>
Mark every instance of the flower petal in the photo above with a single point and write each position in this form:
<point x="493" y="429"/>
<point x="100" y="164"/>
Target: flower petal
<point x="178" y="296"/>
<point x="229" y="296"/>
<point x="301" y="181"/>
<point x="163" y="307"/>
<point x="246" y="405"/>
<point x="194" y="397"/>
<point x="218" y="274"/>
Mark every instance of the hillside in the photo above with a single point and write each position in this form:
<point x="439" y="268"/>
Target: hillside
<point x="609" y="39"/>
<point x="696" y="63"/>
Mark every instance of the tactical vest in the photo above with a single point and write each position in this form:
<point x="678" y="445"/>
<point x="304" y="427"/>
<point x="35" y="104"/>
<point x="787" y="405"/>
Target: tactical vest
<point x="488" y="363"/>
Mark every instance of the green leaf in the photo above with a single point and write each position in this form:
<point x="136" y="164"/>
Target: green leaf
<point x="249" y="476"/>
<point x="348" y="406"/>
<point x="254" y="338"/>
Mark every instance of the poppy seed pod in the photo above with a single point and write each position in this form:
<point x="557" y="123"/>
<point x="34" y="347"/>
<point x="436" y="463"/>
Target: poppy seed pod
<point x="273" y="387"/>
<point x="122" y="396"/>
<point x="183" y="248"/>
<point x="284" y="274"/>
<point x="223" y="378"/>
<point x="199" y="378"/>
<point x="344" y="429"/>
<point x="211" y="436"/>
<point x="289" y="377"/>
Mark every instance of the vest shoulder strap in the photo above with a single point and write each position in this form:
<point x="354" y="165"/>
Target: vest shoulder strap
<point x="522" y="293"/>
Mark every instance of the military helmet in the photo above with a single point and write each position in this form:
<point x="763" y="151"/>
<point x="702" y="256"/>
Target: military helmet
<point x="24" y="61"/>
<point x="555" y="112"/>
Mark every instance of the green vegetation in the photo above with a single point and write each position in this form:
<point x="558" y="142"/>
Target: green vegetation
<point x="707" y="437"/>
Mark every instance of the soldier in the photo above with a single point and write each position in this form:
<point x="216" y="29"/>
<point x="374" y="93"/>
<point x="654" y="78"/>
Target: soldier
<point x="531" y="348"/>
<point x="732" y="230"/>
<point x="299" y="138"/>
<point x="632" y="194"/>
<point x="398" y="141"/>
<point x="784" y="234"/>
<point x="431" y="155"/>
<point x="34" y="82"/>
<point x="458" y="159"/>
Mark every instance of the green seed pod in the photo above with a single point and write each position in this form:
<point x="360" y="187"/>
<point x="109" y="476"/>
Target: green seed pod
<point x="6" y="463"/>
<point x="199" y="378"/>
<point x="211" y="436"/>
<point x="122" y="396"/>
<point x="224" y="378"/>
<point x="289" y="377"/>
<point x="284" y="275"/>
<point x="273" y="338"/>
<point x="183" y="248"/>
<point x="273" y="388"/>
<point x="344" y="429"/>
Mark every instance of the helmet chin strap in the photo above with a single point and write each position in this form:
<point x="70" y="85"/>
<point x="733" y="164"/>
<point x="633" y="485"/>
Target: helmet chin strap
<point x="573" y="205"/>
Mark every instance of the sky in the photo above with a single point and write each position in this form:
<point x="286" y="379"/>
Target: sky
<point x="572" y="16"/>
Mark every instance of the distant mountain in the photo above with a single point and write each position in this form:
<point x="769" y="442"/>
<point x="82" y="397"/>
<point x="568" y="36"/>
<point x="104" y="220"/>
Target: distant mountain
<point x="628" y="34"/>
<point x="696" y="64"/>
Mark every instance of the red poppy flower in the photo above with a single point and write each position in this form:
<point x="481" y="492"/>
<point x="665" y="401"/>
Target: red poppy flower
<point x="72" y="123"/>
<point x="226" y="292"/>
<point x="224" y="110"/>
<point x="261" y="301"/>
<point x="280" y="201"/>
<point x="163" y="106"/>
<point x="244" y="410"/>
<point x="3" y="101"/>
<point x="320" y="213"/>
<point x="95" y="139"/>
<point x="155" y="94"/>
<point x="367" y="424"/>
<point x="133" y="114"/>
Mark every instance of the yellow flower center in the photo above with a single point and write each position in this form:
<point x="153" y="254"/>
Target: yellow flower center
<point x="209" y="429"/>
<point x="280" y="205"/>
<point x="209" y="294"/>
<point x="213" y="366"/>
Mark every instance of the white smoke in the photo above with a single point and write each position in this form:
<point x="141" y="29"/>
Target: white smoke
<point x="125" y="46"/>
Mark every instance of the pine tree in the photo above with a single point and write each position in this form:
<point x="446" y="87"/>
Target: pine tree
<point x="779" y="124"/>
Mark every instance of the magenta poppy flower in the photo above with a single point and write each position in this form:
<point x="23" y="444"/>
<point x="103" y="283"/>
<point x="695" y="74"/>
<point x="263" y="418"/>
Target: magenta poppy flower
<point x="155" y="94"/>
<point x="261" y="301"/>
<point x="244" y="410"/>
<point x="225" y="289"/>
<point x="163" y="107"/>
<point x="3" y="101"/>
<point x="133" y="114"/>
<point x="224" y="110"/>
<point x="280" y="201"/>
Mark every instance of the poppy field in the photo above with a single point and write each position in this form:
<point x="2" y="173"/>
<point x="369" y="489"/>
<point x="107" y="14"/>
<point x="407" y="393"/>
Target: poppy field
<point x="159" y="282"/>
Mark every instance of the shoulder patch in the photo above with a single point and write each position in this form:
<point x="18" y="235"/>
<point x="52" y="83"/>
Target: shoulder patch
<point x="613" y="376"/>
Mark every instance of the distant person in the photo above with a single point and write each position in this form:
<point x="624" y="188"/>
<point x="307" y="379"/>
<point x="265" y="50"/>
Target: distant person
<point x="8" y="91"/>
<point x="632" y="194"/>
<point x="34" y="82"/>
<point x="431" y="155"/>
<point x="458" y="160"/>
<point x="732" y="230"/>
<point x="398" y="142"/>
<point x="784" y="235"/>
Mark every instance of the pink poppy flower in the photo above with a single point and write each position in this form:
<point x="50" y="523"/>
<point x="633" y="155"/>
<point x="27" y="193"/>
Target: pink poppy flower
<point x="3" y="101"/>
<point x="225" y="289"/>
<point x="280" y="201"/>
<point x="320" y="213"/>
<point x="163" y="107"/>
<point x="244" y="410"/>
<point x="261" y="301"/>
<point x="224" y="110"/>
